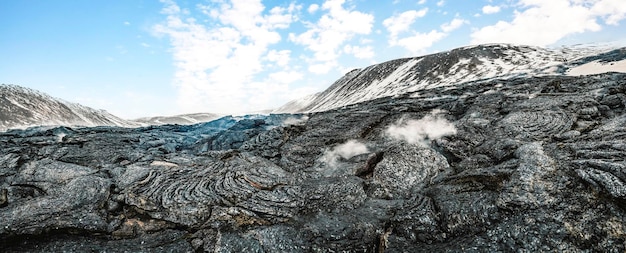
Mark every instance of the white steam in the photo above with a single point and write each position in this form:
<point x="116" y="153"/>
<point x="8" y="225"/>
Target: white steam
<point x="346" y="151"/>
<point x="60" y="137"/>
<point x="295" y="120"/>
<point x="431" y="127"/>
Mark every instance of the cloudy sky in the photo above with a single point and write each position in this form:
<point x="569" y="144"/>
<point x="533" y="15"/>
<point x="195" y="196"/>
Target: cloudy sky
<point x="138" y="58"/>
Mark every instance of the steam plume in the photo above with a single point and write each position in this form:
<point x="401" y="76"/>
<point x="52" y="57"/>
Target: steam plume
<point x="430" y="127"/>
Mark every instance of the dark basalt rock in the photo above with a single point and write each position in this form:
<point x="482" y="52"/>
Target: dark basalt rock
<point x="535" y="164"/>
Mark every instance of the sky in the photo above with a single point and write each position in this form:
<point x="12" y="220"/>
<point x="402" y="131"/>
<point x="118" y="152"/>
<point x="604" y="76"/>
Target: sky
<point x="138" y="58"/>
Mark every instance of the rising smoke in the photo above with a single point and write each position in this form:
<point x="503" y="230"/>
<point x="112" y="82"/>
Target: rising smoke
<point x="346" y="151"/>
<point x="430" y="127"/>
<point x="295" y="120"/>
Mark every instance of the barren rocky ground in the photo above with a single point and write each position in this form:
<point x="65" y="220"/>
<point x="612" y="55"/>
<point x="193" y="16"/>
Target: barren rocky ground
<point x="525" y="164"/>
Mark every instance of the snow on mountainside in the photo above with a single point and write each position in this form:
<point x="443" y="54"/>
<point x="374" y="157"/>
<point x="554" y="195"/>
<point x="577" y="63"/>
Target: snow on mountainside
<point x="185" y="119"/>
<point x="455" y="67"/>
<point x="23" y="107"/>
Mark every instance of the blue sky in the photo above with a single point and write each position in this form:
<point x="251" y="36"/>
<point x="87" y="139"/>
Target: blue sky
<point x="138" y="58"/>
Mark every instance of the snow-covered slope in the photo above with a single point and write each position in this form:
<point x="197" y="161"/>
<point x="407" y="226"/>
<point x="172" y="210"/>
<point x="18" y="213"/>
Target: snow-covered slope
<point x="610" y="61"/>
<point x="23" y="107"/>
<point x="455" y="67"/>
<point x="185" y="119"/>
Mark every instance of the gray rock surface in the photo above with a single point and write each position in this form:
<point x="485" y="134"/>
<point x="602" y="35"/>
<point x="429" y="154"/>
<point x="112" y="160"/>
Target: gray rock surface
<point x="533" y="164"/>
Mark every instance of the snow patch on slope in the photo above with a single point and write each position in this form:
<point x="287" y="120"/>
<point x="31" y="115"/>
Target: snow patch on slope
<point x="596" y="67"/>
<point x="377" y="88"/>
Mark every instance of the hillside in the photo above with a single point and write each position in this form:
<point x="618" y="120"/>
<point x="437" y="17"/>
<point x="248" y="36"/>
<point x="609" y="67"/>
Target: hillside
<point x="456" y="67"/>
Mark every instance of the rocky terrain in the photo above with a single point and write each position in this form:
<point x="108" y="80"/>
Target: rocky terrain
<point x="22" y="107"/>
<point x="519" y="164"/>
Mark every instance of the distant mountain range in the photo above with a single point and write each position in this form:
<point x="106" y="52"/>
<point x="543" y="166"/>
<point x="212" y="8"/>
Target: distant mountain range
<point x="23" y="107"/>
<point x="184" y="119"/>
<point x="456" y="67"/>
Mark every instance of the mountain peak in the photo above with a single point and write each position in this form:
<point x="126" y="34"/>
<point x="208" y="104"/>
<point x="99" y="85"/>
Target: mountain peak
<point x="450" y="68"/>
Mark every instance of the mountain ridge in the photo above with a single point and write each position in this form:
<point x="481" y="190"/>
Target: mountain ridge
<point x="455" y="67"/>
<point x="181" y="119"/>
<point x="25" y="107"/>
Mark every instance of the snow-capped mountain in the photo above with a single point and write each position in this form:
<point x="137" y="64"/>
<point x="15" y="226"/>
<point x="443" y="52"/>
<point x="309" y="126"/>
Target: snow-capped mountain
<point x="184" y="119"/>
<point x="455" y="67"/>
<point x="22" y="107"/>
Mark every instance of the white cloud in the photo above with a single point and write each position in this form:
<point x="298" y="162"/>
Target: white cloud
<point x="126" y="23"/>
<point x="420" y="41"/>
<point x="365" y="52"/>
<point x="430" y="127"/>
<point x="366" y="41"/>
<point x="171" y="8"/>
<point x="281" y="58"/>
<point x="335" y="28"/>
<point x="441" y="3"/>
<point x="490" y="9"/>
<point x="421" y="2"/>
<point x="218" y="65"/>
<point x="544" y="23"/>
<point x="286" y="77"/>
<point x="453" y="25"/>
<point x="313" y="8"/>
<point x="322" y="68"/>
<point x="612" y="11"/>
<point x="402" y="22"/>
